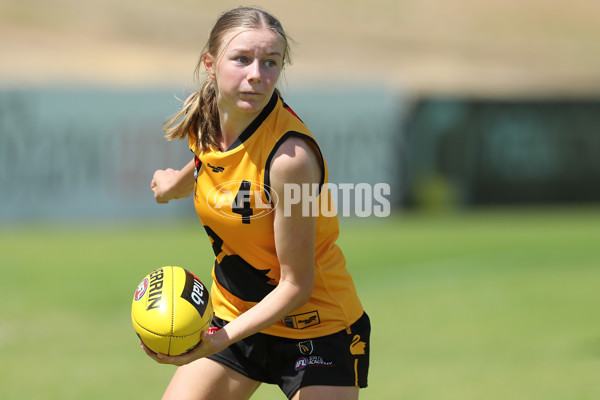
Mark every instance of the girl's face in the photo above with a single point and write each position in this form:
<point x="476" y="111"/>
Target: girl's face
<point x="246" y="70"/>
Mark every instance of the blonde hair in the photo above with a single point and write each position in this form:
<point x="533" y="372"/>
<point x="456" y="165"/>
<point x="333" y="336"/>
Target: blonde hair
<point x="199" y="116"/>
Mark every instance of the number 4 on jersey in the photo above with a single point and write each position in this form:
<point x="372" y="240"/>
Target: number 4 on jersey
<point x="241" y="203"/>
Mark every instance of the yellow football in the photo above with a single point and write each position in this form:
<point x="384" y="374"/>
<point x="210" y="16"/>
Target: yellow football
<point x="170" y="309"/>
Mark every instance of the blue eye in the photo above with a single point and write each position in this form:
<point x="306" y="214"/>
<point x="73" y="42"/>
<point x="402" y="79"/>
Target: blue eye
<point x="271" y="63"/>
<point x="241" y="59"/>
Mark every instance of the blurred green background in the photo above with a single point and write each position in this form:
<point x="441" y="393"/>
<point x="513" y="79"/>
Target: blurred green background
<point x="481" y="116"/>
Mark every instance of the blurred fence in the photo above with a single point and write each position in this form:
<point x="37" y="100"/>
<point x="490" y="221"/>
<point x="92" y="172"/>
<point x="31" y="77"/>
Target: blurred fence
<point x="90" y="154"/>
<point x="68" y="154"/>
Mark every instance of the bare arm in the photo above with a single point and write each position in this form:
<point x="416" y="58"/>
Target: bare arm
<point x="294" y="162"/>
<point x="171" y="184"/>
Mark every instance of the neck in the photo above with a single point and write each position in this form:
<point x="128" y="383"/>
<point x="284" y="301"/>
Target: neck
<point x="232" y="127"/>
<point x="232" y="123"/>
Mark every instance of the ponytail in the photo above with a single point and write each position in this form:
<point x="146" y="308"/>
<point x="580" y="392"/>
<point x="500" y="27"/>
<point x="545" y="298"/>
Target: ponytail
<point x="197" y="119"/>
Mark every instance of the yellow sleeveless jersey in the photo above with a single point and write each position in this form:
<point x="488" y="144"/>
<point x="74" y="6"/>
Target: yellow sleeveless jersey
<point x="234" y="203"/>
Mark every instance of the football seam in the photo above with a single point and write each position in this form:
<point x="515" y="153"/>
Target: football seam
<point x="173" y="299"/>
<point x="171" y="335"/>
<point x="172" y="306"/>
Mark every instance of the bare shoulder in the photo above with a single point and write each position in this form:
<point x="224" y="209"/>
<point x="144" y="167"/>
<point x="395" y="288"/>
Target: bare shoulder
<point x="295" y="161"/>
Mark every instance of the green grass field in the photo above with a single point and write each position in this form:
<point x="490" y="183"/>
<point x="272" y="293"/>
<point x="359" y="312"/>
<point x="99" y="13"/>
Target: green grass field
<point x="492" y="304"/>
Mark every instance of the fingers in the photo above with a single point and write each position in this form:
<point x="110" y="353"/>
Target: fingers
<point x="162" y="185"/>
<point x="158" y="175"/>
<point x="159" y="357"/>
<point x="149" y="352"/>
<point x="158" y="195"/>
<point x="179" y="360"/>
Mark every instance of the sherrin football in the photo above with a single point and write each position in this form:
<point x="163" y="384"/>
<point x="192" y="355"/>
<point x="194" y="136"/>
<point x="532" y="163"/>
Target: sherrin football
<point x="170" y="309"/>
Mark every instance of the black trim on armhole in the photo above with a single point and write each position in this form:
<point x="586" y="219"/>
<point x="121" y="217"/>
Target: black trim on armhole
<point x="286" y="136"/>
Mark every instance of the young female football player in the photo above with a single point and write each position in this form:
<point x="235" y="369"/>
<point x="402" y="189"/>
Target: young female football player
<point x="285" y="305"/>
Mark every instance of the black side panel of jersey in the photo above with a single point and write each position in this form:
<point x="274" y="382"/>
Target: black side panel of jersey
<point x="242" y="280"/>
<point x="237" y="276"/>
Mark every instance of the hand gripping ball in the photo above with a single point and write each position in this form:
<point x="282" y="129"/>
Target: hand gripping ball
<point x="170" y="309"/>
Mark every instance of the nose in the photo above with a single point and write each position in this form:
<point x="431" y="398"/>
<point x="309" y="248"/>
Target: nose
<point x="254" y="71"/>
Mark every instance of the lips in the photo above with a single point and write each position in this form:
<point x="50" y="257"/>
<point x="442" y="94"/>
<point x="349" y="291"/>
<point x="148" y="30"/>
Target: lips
<point x="251" y="93"/>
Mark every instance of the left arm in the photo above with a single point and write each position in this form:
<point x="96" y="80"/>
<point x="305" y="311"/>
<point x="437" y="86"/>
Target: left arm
<point x="295" y="163"/>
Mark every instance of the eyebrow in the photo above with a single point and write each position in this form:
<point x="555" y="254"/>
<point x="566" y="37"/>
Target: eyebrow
<point x="247" y="50"/>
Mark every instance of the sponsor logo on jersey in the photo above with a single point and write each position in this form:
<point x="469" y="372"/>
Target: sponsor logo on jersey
<point x="215" y="169"/>
<point x="301" y="321"/>
<point x="141" y="289"/>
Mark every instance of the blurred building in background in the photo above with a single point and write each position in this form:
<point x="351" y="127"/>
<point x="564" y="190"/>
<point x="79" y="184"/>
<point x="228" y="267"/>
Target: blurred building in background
<point x="467" y="152"/>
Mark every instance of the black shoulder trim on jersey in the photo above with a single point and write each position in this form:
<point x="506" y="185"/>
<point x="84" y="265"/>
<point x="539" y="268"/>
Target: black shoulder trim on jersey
<point x="289" y="109"/>
<point x="285" y="136"/>
<point x="256" y="123"/>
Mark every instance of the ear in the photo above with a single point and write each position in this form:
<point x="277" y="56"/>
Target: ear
<point x="209" y="64"/>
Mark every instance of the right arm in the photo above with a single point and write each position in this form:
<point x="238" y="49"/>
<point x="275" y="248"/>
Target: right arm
<point x="171" y="184"/>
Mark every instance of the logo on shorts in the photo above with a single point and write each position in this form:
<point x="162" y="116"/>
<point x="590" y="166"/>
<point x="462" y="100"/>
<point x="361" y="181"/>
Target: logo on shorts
<point x="306" y="347"/>
<point x="301" y="363"/>
<point x="141" y="289"/>
<point x="312" y="361"/>
<point x="357" y="347"/>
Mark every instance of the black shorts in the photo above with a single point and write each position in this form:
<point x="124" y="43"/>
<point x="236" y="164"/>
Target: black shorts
<point x="340" y="359"/>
